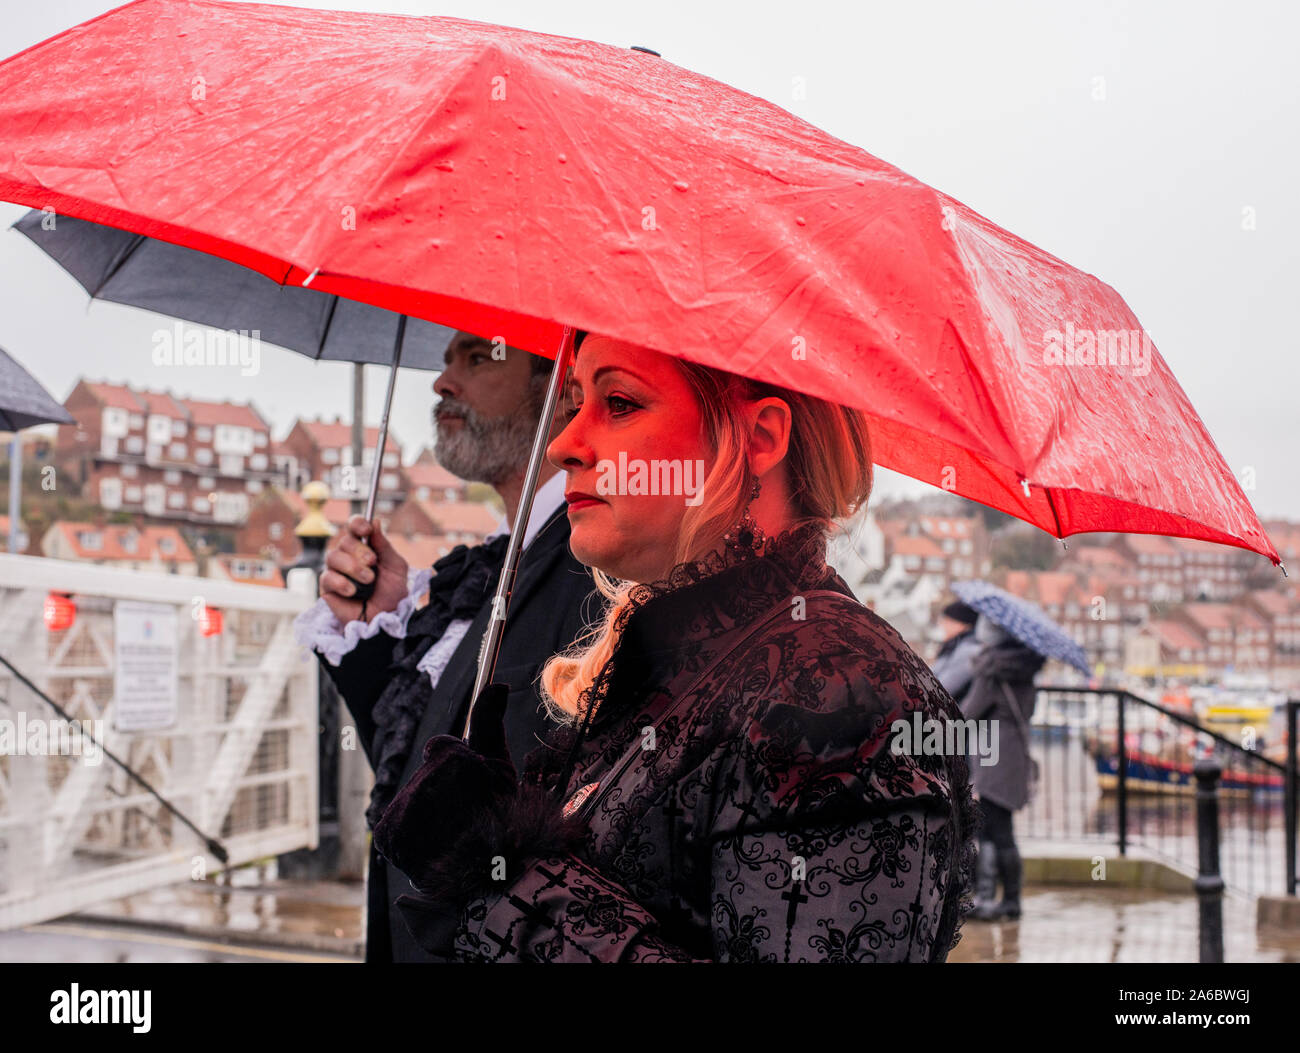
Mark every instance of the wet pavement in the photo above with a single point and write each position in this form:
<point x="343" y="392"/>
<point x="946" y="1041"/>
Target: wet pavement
<point x="1067" y="923"/>
<point x="318" y="916"/>
<point x="79" y="942"/>
<point x="288" y="920"/>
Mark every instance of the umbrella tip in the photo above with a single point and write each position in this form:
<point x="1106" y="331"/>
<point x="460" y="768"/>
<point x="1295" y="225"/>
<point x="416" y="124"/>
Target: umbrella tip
<point x="648" y="51"/>
<point x="1282" y="567"/>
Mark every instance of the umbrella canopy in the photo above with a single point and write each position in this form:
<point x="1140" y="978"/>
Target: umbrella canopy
<point x="126" y="268"/>
<point x="507" y="182"/>
<point x="23" y="402"/>
<point x="1023" y="620"/>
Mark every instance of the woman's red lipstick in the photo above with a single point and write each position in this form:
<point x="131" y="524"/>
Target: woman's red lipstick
<point x="577" y="499"/>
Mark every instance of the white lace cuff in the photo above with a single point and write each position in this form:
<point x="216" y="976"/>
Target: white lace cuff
<point x="317" y="629"/>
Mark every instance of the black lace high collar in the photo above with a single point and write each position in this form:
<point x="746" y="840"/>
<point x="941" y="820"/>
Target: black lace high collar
<point x="703" y="599"/>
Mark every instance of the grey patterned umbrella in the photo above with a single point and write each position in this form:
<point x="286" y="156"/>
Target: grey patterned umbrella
<point x="23" y="402"/>
<point x="1023" y="620"/>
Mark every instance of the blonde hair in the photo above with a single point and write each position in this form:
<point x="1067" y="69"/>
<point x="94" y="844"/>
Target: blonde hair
<point x="828" y="464"/>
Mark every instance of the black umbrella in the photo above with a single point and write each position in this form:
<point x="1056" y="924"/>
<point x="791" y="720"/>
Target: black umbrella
<point x="121" y="267"/>
<point x="23" y="404"/>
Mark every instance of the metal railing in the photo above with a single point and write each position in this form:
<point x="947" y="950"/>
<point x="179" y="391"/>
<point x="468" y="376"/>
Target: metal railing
<point x="1119" y="770"/>
<point x="232" y="749"/>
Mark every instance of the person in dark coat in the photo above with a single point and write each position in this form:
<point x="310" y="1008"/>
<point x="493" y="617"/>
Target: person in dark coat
<point x="727" y="786"/>
<point x="1004" y="671"/>
<point x="406" y="671"/>
<point x="953" y="664"/>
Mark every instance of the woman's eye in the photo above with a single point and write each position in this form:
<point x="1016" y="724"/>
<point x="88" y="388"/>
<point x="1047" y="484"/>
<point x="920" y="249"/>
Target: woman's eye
<point x="570" y="412"/>
<point x="618" y="405"/>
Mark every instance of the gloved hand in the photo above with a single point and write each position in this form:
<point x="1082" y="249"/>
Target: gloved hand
<point x="444" y="820"/>
<point x="458" y="789"/>
<point x="463" y="826"/>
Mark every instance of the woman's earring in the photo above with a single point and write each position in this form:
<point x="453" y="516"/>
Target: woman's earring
<point x="747" y="534"/>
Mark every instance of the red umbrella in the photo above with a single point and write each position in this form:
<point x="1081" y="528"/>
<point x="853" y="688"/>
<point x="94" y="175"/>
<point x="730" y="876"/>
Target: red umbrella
<point x="506" y="182"/>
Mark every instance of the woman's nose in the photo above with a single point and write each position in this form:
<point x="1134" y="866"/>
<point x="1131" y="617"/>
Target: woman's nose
<point x="569" y="449"/>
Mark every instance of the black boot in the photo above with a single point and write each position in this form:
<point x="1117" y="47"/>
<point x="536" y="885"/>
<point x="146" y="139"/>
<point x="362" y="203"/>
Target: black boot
<point x="987" y="907"/>
<point x="1011" y="871"/>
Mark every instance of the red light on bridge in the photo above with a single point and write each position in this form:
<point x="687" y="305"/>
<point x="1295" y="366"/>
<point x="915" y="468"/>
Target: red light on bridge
<point x="210" y="622"/>
<point x="60" y="612"/>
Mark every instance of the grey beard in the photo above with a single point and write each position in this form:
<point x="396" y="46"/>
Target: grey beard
<point x="491" y="449"/>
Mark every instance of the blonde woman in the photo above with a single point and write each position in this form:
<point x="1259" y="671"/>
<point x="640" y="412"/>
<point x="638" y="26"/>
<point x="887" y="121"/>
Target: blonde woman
<point x="726" y="785"/>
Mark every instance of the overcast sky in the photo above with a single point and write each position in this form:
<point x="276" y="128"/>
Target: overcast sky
<point x="997" y="104"/>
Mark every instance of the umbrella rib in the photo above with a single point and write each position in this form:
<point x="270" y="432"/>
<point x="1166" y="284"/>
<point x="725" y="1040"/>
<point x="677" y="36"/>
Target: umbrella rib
<point x="1052" y="505"/>
<point x="137" y="241"/>
<point x="329" y="320"/>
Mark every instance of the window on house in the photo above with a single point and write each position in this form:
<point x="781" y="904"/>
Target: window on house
<point x="114" y="423"/>
<point x="160" y="430"/>
<point x="110" y="493"/>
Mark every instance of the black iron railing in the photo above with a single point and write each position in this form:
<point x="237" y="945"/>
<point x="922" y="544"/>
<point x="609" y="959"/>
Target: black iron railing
<point x="1119" y="769"/>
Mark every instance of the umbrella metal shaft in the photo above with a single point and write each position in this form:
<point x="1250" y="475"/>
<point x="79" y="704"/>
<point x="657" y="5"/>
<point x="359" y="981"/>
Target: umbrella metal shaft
<point x="383" y="423"/>
<point x="487" y="656"/>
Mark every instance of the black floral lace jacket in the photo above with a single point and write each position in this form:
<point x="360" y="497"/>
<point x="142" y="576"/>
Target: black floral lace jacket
<point x="742" y="799"/>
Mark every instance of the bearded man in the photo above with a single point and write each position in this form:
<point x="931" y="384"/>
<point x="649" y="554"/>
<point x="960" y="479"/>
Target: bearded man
<point x="406" y="673"/>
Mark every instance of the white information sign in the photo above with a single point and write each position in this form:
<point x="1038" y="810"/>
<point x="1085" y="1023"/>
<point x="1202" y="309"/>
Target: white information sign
<point x="145" y="646"/>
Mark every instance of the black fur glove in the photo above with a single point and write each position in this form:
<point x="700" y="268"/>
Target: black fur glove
<point x="462" y="826"/>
